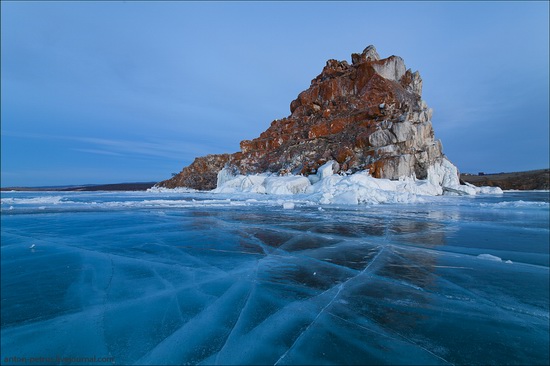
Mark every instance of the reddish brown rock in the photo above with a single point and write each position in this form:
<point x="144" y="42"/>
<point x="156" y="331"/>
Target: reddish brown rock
<point x="201" y="174"/>
<point x="366" y="116"/>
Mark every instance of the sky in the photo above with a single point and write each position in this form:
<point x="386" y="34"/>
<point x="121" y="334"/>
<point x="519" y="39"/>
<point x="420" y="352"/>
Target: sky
<point x="110" y="92"/>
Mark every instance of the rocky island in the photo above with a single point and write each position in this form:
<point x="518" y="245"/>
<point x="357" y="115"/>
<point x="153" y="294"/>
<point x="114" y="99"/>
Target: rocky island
<point x="367" y="116"/>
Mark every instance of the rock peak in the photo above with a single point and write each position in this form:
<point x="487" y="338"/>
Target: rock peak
<point x="365" y="116"/>
<point x="370" y="53"/>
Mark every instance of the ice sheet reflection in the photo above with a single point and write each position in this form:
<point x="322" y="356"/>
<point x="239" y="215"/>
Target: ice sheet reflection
<point x="251" y="285"/>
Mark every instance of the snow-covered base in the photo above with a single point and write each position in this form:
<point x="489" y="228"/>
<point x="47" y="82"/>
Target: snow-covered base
<point x="328" y="188"/>
<point x="445" y="174"/>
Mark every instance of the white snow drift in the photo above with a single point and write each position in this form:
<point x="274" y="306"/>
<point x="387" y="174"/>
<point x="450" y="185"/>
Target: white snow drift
<point x="328" y="188"/>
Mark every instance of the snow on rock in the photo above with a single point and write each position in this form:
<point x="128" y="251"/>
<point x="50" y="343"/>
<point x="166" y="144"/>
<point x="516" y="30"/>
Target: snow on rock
<point x="241" y="183"/>
<point x="224" y="176"/>
<point x="443" y="173"/>
<point x="328" y="169"/>
<point x="286" y="185"/>
<point x="263" y="183"/>
<point x="329" y="188"/>
<point x="360" y="188"/>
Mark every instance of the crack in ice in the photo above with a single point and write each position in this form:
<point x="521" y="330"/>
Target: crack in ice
<point x="340" y="288"/>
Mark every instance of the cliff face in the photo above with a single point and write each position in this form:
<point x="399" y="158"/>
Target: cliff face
<point x="366" y="116"/>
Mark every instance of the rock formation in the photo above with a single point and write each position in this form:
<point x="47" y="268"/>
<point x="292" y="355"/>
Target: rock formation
<point x="365" y="116"/>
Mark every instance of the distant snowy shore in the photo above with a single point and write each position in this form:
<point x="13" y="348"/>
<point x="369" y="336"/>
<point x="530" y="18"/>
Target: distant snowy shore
<point x="325" y="187"/>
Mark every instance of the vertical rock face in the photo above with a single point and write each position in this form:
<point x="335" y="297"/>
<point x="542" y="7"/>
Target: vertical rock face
<point x="366" y="116"/>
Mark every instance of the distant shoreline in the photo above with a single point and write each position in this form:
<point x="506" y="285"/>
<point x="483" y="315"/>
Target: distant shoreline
<point x="523" y="181"/>
<point x="140" y="186"/>
<point x="527" y="180"/>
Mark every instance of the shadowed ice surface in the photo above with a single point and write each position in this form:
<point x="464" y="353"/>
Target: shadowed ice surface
<point x="166" y="278"/>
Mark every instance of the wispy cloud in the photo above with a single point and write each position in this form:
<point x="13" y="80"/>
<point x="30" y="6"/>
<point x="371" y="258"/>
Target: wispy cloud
<point x="124" y="147"/>
<point x="98" y="152"/>
<point x="162" y="149"/>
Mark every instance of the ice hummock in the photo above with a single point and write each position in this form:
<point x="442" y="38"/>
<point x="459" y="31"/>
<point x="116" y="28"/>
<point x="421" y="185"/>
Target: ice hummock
<point x="326" y="187"/>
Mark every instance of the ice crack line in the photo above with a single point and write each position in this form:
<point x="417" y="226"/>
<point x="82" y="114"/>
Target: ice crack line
<point x="340" y="288"/>
<point x="233" y="330"/>
<point x="107" y="288"/>
<point x="412" y="342"/>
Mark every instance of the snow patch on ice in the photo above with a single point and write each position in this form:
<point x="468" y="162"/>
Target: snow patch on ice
<point x="516" y="204"/>
<point x="53" y="200"/>
<point x="156" y="189"/>
<point x="288" y="205"/>
<point x="489" y="257"/>
<point x="488" y="190"/>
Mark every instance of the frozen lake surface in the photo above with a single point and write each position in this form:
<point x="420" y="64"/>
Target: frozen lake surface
<point x="187" y="278"/>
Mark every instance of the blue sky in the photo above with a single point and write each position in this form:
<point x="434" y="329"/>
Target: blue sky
<point x="105" y="92"/>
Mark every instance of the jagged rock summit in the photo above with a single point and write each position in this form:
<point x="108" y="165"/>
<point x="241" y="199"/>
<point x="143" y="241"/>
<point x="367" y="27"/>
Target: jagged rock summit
<point x="365" y="116"/>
